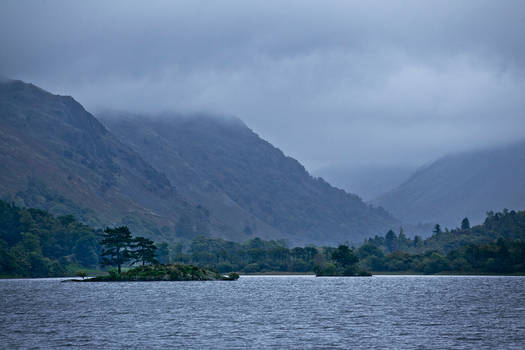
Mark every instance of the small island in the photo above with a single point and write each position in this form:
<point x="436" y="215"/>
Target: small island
<point x="344" y="265"/>
<point x="172" y="272"/>
<point x="121" y="247"/>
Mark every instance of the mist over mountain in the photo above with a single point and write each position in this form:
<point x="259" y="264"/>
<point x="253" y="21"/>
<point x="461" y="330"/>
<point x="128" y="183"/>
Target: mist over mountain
<point x="461" y="185"/>
<point x="171" y="177"/>
<point x="350" y="82"/>
<point x="228" y="168"/>
<point x="57" y="156"/>
<point x="366" y="180"/>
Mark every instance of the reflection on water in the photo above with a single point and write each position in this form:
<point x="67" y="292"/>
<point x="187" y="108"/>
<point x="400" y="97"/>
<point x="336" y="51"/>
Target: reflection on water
<point x="267" y="312"/>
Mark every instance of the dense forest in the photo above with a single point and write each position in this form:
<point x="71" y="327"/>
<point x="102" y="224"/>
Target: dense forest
<point x="254" y="256"/>
<point x="497" y="246"/>
<point x="34" y="243"/>
<point x="508" y="225"/>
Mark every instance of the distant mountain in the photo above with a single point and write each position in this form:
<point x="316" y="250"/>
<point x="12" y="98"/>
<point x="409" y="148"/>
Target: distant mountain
<point x="58" y="157"/>
<point x="167" y="178"/>
<point x="462" y="185"/>
<point x="228" y="168"/>
<point x="367" y="181"/>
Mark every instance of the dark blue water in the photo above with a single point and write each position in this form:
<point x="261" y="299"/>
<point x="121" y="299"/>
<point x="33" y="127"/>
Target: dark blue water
<point x="267" y="312"/>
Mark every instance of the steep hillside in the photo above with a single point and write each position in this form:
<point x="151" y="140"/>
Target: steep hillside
<point x="462" y="185"/>
<point x="167" y="179"/>
<point x="366" y="180"/>
<point x="233" y="172"/>
<point x="58" y="157"/>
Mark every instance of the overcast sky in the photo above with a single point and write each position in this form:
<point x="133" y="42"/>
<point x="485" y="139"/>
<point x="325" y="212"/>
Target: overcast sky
<point x="329" y="82"/>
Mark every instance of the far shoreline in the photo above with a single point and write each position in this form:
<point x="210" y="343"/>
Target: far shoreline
<point x="307" y="274"/>
<point x="394" y="273"/>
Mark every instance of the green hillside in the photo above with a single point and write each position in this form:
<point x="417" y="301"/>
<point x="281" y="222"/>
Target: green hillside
<point x="34" y="243"/>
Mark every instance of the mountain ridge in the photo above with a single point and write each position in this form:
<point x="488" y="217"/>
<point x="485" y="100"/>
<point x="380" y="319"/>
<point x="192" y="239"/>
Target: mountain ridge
<point x="235" y="161"/>
<point x="163" y="179"/>
<point x="56" y="154"/>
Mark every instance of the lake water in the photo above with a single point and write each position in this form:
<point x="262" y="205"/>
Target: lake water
<point x="267" y="312"/>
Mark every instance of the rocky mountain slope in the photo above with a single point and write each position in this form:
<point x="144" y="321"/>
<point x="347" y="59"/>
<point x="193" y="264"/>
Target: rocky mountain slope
<point x="228" y="168"/>
<point x="57" y="156"/>
<point x="167" y="178"/>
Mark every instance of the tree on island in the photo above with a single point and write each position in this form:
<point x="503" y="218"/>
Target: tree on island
<point x="163" y="252"/>
<point x="390" y="241"/>
<point x="143" y="251"/>
<point x="82" y="274"/>
<point x="465" y="224"/>
<point x="116" y="242"/>
<point x="346" y="260"/>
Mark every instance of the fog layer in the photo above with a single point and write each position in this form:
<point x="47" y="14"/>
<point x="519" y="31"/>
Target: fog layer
<point x="333" y="83"/>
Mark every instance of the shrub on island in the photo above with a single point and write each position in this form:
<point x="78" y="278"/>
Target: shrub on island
<point x="344" y="263"/>
<point x="173" y="272"/>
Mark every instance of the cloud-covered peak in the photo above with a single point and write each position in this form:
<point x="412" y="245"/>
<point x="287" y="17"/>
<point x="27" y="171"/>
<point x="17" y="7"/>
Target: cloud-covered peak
<point x="330" y="83"/>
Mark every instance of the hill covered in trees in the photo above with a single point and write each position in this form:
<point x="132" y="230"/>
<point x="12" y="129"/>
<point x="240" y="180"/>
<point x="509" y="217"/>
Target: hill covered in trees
<point x="34" y="243"/>
<point x="467" y="184"/>
<point x="496" y="246"/>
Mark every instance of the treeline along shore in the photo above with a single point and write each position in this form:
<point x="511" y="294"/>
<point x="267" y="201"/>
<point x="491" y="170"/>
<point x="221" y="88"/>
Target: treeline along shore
<point x="34" y="243"/>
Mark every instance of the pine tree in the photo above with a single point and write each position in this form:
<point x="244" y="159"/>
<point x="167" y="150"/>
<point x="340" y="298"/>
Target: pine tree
<point x="116" y="242"/>
<point x="143" y="251"/>
<point x="390" y="241"/>
<point x="345" y="259"/>
<point x="465" y="224"/>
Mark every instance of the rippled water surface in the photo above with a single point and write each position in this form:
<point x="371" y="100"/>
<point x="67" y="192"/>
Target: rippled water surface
<point x="267" y="312"/>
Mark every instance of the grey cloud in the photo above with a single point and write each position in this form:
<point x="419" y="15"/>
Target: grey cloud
<point x="333" y="82"/>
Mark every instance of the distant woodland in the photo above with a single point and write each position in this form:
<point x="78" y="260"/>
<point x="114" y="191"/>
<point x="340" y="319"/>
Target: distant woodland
<point x="497" y="246"/>
<point x="34" y="243"/>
